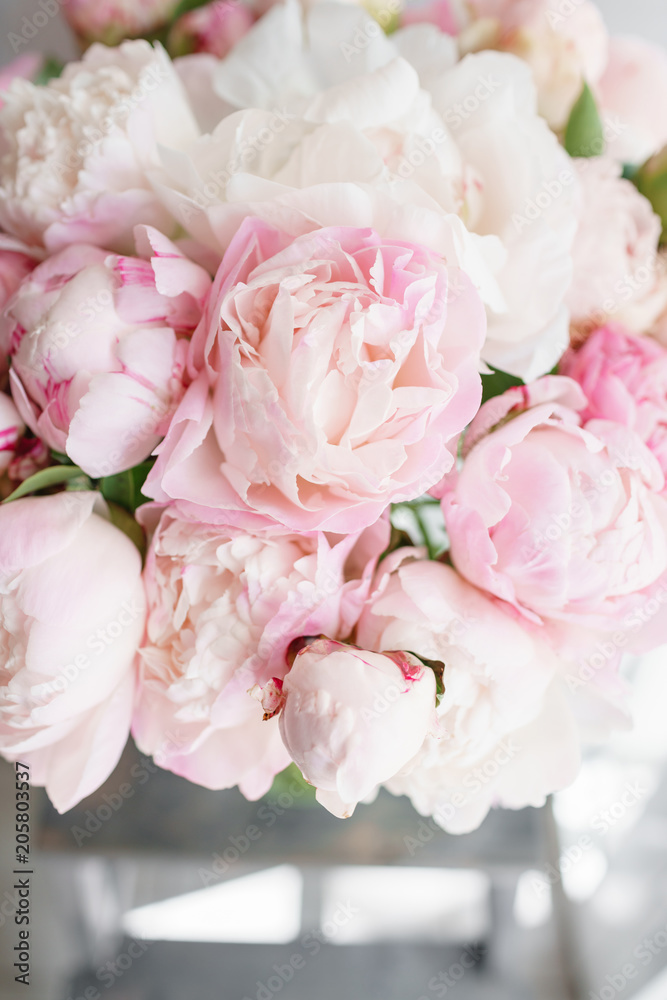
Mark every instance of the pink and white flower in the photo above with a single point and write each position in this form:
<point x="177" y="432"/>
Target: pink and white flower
<point x="373" y="138"/>
<point x="624" y="378"/>
<point x="352" y="719"/>
<point x="564" y="49"/>
<point x="330" y="373"/>
<point x="224" y="605"/>
<point x="215" y="28"/>
<point x="617" y="271"/>
<point x="505" y="735"/>
<point x="560" y="518"/>
<point x="110" y="21"/>
<point x="12" y="429"/>
<point x="77" y="152"/>
<point x="635" y="72"/>
<point x="98" y="349"/>
<point x="68" y="641"/>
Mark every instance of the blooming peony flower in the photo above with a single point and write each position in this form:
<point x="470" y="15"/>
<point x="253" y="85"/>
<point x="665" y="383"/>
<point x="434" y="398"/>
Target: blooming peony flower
<point x="625" y="380"/>
<point x="617" y="271"/>
<point x="636" y="71"/>
<point x="559" y="518"/>
<point x="373" y="137"/>
<point x="97" y="351"/>
<point x="563" y="49"/>
<point x="76" y="153"/>
<point x="352" y="719"/>
<point x="224" y="606"/>
<point x="68" y="641"/>
<point x="506" y="736"/>
<point x="332" y="371"/>
<point x="110" y="21"/>
<point x="216" y="28"/>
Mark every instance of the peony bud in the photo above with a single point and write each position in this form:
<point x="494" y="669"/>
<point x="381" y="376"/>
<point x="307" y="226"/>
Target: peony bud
<point x="352" y="719"/>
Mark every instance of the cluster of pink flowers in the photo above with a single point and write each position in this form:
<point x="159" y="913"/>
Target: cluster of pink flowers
<point x="265" y="501"/>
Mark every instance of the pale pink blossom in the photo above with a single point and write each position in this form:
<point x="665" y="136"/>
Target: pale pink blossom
<point x="98" y="350"/>
<point x="78" y="152"/>
<point x="12" y="429"/>
<point x="564" y="49"/>
<point x="624" y="378"/>
<point x="330" y="374"/>
<point x="560" y="518"/>
<point x="629" y="91"/>
<point x="352" y="718"/>
<point x="72" y="609"/>
<point x="617" y="272"/>
<point x="224" y="605"/>
<point x="505" y="735"/>
<point x="110" y="21"/>
<point x="215" y="28"/>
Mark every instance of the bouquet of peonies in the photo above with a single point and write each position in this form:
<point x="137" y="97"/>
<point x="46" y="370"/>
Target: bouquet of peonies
<point x="334" y="397"/>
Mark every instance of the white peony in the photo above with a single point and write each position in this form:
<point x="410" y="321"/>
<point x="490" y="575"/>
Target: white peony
<point x="340" y="125"/>
<point x="74" y="154"/>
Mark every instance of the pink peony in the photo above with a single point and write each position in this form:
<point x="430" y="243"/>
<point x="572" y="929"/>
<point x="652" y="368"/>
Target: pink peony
<point x="224" y="606"/>
<point x="630" y="89"/>
<point x="110" y="21"/>
<point x="559" y="518"/>
<point x="505" y="735"/>
<point x="616" y="267"/>
<point x="12" y="429"/>
<point x="15" y="263"/>
<point x="77" y="153"/>
<point x="625" y="380"/>
<point x="216" y="28"/>
<point x="352" y="719"/>
<point x="24" y="67"/>
<point x="97" y="349"/>
<point x="68" y="641"/>
<point x="330" y="374"/>
<point x="564" y="49"/>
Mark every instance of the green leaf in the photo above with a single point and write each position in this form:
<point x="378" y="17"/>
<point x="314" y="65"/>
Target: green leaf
<point x="127" y="524"/>
<point x="651" y="181"/>
<point x="185" y="6"/>
<point x="420" y="522"/>
<point x="46" y="478"/>
<point x="61" y="459"/>
<point x="497" y="383"/>
<point x="629" y="171"/>
<point x="292" y="783"/>
<point x="584" y="135"/>
<point x="51" y="69"/>
<point x="124" y="489"/>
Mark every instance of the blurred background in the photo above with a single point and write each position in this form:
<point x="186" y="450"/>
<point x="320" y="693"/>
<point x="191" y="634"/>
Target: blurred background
<point x="155" y="889"/>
